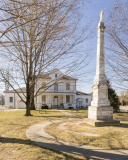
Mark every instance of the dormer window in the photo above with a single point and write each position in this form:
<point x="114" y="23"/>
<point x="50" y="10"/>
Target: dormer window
<point x="55" y="75"/>
<point x="67" y="86"/>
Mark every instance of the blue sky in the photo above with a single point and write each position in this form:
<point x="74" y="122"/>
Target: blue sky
<point x="93" y="10"/>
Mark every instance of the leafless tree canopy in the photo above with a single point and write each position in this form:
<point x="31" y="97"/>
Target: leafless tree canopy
<point x="117" y="34"/>
<point x="124" y="95"/>
<point x="37" y="36"/>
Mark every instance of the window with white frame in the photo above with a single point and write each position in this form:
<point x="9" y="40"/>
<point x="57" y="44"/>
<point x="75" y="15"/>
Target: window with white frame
<point x="11" y="99"/>
<point x="67" y="86"/>
<point x="55" y="87"/>
<point x="86" y="100"/>
<point x="44" y="99"/>
<point x="67" y="99"/>
<point x="55" y="75"/>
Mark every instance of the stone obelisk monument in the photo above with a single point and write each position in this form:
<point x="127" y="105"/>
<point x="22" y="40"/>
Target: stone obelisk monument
<point x="100" y="112"/>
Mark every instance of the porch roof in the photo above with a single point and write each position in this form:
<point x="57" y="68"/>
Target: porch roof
<point x="61" y="93"/>
<point x="82" y="93"/>
<point x="19" y="90"/>
<point x="79" y="99"/>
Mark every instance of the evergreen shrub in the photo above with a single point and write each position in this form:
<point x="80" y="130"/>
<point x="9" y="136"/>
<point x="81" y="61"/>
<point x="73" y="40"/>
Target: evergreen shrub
<point x="44" y="106"/>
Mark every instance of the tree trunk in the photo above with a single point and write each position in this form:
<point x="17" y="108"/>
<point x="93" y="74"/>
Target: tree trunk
<point x="32" y="106"/>
<point x="28" y="99"/>
<point x="28" y="109"/>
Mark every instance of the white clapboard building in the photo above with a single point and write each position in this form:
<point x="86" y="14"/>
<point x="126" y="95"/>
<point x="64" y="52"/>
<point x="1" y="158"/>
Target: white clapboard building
<point x="61" y="95"/>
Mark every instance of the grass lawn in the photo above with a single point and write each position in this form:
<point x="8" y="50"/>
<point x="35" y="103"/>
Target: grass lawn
<point x="1" y="105"/>
<point x="124" y="106"/>
<point x="84" y="113"/>
<point x="109" y="137"/>
<point x="80" y="113"/>
<point x="13" y="141"/>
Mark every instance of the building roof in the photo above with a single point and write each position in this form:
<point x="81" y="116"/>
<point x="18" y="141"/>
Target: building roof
<point x="79" y="99"/>
<point x="19" y="90"/>
<point x="46" y="75"/>
<point x="68" y="77"/>
<point x="23" y="90"/>
<point x="81" y="93"/>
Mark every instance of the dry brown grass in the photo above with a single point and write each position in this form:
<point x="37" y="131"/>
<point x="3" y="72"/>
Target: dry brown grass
<point x="120" y="116"/>
<point x="13" y="141"/>
<point x="124" y="106"/>
<point x="109" y="137"/>
<point x="80" y="113"/>
<point x="84" y="114"/>
<point x="2" y="106"/>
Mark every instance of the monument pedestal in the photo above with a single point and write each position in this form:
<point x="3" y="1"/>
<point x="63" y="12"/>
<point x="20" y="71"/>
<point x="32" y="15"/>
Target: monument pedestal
<point x="101" y="116"/>
<point x="100" y="113"/>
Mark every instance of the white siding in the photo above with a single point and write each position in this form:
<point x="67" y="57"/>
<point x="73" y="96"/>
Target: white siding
<point x="84" y="97"/>
<point x="61" y="86"/>
<point x="9" y="104"/>
<point x="17" y="104"/>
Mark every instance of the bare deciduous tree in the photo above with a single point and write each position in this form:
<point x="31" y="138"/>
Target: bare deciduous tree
<point x="117" y="34"/>
<point x="4" y="8"/>
<point x="44" y="36"/>
<point x="124" y="97"/>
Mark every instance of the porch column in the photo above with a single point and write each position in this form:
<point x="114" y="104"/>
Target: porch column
<point x="49" y="98"/>
<point x="35" y="102"/>
<point x="64" y="98"/>
<point x="74" y="98"/>
<point x="16" y="103"/>
<point x="39" y="98"/>
<point x="70" y="97"/>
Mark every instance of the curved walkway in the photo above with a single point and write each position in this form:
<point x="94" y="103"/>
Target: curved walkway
<point x="37" y="134"/>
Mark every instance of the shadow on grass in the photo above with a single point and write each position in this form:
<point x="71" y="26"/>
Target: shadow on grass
<point x="79" y="111"/>
<point x="48" y="110"/>
<point x="76" y="150"/>
<point x="29" y="142"/>
<point x="46" y="116"/>
<point x="123" y="125"/>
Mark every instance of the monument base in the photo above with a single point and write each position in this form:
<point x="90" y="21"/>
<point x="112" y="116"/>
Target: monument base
<point x="101" y="116"/>
<point x="100" y="123"/>
<point x="100" y="113"/>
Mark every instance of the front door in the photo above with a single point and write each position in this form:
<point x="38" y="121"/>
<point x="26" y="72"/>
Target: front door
<point x="80" y="103"/>
<point x="55" y="101"/>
